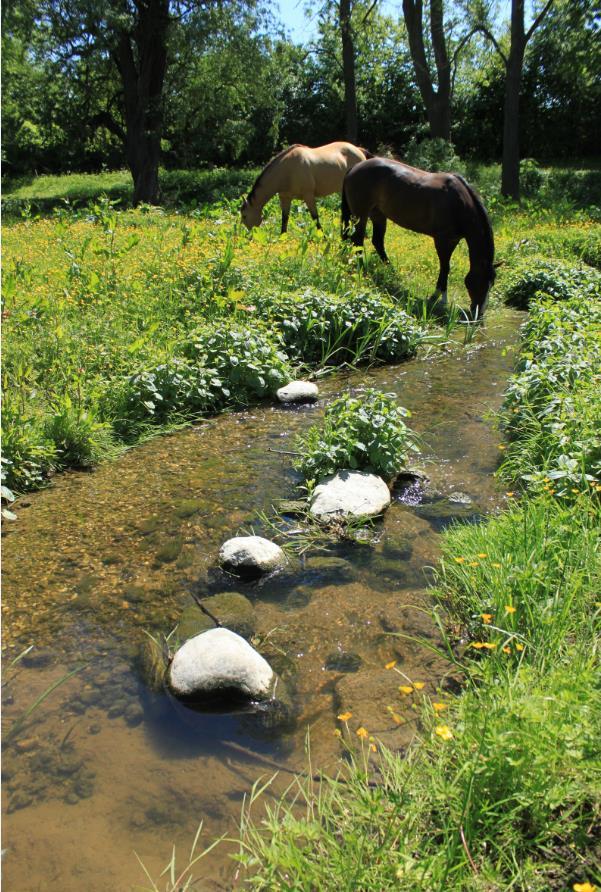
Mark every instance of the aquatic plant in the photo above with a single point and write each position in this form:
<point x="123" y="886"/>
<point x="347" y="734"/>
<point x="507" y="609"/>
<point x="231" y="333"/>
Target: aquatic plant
<point x="366" y="432"/>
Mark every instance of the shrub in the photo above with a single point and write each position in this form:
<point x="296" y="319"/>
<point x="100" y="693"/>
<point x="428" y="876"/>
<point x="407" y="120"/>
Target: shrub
<point x="27" y="452"/>
<point x="319" y="327"/>
<point x="552" y="410"/>
<point x="247" y="361"/>
<point x="364" y="433"/>
<point x="560" y="280"/>
<point x="80" y="439"/>
<point x="531" y="176"/>
<point x="433" y="154"/>
<point x="175" y="389"/>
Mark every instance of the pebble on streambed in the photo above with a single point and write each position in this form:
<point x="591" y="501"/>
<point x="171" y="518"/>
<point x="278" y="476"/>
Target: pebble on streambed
<point x="298" y="392"/>
<point x="219" y="664"/>
<point x="251" y="556"/>
<point x="349" y="494"/>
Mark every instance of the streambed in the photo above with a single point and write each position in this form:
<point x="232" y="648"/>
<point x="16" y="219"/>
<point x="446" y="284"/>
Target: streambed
<point x="104" y="766"/>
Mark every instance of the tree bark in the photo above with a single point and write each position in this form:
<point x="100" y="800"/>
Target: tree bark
<point x="141" y="58"/>
<point x="437" y="101"/>
<point x="510" y="172"/>
<point x="348" y="71"/>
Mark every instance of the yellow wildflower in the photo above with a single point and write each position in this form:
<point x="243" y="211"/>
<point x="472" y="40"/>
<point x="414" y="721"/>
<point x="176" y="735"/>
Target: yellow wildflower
<point x="482" y="554"/>
<point x="438" y="707"/>
<point x="496" y="566"/>
<point x="390" y="665"/>
<point x="474" y="564"/>
<point x="406" y="689"/>
<point x="501" y="446"/>
<point x="345" y="716"/>
<point x="486" y="617"/>
<point x="519" y="647"/>
<point x="444" y="731"/>
<point x="506" y="650"/>
<point x="337" y="732"/>
<point x="362" y="733"/>
<point x="510" y="495"/>
<point x="373" y="748"/>
<point x="510" y="609"/>
<point x="584" y="887"/>
<point x="418" y="685"/>
<point x="459" y="560"/>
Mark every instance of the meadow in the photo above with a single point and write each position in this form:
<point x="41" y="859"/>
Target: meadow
<point x="120" y="324"/>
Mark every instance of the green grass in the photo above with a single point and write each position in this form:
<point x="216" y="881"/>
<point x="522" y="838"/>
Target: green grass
<point x="109" y="314"/>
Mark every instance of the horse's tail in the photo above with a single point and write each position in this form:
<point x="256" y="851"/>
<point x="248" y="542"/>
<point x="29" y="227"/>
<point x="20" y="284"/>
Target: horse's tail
<point x="367" y="154"/>
<point x="481" y="213"/>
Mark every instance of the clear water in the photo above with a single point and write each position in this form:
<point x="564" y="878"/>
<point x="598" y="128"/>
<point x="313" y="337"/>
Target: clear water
<point x="104" y="767"/>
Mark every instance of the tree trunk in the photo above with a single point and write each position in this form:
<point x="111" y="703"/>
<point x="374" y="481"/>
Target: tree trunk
<point x="440" y="116"/>
<point x="348" y="71"/>
<point x="510" y="173"/>
<point x="437" y="102"/>
<point x="142" y="75"/>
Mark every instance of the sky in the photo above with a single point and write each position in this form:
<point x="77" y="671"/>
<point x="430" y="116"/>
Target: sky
<point x="301" y="28"/>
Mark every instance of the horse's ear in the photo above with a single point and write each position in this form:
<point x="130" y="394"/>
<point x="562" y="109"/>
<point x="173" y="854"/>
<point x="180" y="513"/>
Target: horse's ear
<point x="498" y="264"/>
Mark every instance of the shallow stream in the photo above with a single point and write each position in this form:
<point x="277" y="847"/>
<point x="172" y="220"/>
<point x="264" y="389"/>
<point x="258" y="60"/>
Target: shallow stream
<point x="103" y="767"/>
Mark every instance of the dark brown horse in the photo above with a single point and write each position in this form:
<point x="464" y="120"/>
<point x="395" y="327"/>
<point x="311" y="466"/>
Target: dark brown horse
<point x="441" y="205"/>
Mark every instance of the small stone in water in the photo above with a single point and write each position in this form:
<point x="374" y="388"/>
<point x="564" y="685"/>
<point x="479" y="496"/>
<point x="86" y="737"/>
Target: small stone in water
<point x="298" y="392"/>
<point x="133" y="715"/>
<point x="343" y="661"/>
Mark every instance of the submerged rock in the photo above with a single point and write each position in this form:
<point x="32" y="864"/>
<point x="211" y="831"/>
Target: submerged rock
<point x="231" y="610"/>
<point x="220" y="665"/>
<point x="349" y="494"/>
<point x="298" y="392"/>
<point x="251" y="556"/>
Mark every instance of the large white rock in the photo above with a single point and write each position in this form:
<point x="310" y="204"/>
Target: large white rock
<point x="298" y="392"/>
<point x="251" y="555"/>
<point x="219" y="662"/>
<point x="349" y="494"/>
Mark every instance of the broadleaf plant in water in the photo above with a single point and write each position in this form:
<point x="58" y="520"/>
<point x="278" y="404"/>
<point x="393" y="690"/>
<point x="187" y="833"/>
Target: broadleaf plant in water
<point x="364" y="433"/>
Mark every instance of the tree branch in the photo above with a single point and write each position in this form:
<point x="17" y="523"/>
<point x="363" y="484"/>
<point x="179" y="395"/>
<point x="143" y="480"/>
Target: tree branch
<point x="487" y="33"/>
<point x="538" y="20"/>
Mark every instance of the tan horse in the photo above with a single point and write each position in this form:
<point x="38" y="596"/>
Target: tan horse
<point x="303" y="173"/>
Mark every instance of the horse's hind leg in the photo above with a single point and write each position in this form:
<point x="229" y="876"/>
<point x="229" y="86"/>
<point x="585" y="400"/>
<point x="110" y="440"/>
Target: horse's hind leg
<point x="312" y="205"/>
<point x="285" y="202"/>
<point x="379" y="231"/>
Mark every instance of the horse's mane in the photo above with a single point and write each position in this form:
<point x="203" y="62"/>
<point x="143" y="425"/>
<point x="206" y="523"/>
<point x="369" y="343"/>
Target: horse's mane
<point x="482" y="214"/>
<point x="269" y="165"/>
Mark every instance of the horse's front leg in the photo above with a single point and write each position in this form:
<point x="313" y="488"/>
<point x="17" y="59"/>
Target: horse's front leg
<point x="285" y="202"/>
<point x="444" y="249"/>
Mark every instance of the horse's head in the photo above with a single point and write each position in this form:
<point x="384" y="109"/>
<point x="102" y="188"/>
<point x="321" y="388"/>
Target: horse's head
<point x="251" y="216"/>
<point x="478" y="282"/>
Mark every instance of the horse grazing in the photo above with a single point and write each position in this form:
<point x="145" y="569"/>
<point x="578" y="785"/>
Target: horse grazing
<point x="441" y="205"/>
<point x="303" y="173"/>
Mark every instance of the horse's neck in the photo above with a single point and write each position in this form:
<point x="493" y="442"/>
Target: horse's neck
<point x="478" y="247"/>
<point x="266" y="189"/>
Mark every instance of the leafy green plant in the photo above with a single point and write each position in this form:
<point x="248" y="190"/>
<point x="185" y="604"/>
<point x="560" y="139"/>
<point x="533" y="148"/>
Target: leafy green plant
<point x="365" y="433"/>
<point x="552" y="410"/>
<point x="354" y="327"/>
<point x="560" y="280"/>
<point x="176" y="389"/>
<point x="80" y="439"/>
<point x="250" y="364"/>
